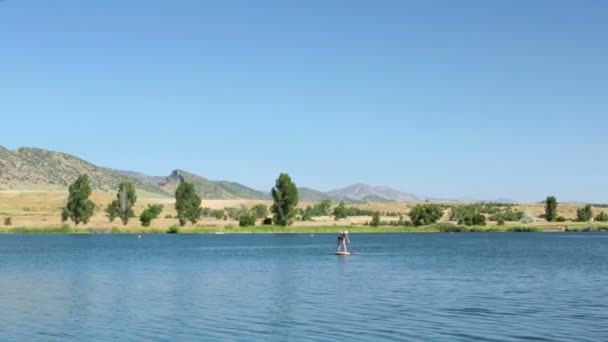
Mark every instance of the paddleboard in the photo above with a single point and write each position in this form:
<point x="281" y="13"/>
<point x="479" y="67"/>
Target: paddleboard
<point x="342" y="253"/>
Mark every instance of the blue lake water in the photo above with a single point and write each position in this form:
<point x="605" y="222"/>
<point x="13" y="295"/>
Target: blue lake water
<point x="406" y="287"/>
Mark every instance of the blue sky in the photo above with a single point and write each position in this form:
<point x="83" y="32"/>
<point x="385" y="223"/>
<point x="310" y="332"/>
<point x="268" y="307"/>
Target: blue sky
<point x="477" y="99"/>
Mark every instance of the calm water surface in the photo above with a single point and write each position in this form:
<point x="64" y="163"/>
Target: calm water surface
<point x="407" y="287"/>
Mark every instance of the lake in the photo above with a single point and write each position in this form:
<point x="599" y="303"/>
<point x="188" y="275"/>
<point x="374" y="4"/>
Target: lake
<point x="290" y="287"/>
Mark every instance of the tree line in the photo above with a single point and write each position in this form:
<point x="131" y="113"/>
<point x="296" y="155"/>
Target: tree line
<point x="79" y="209"/>
<point x="584" y="214"/>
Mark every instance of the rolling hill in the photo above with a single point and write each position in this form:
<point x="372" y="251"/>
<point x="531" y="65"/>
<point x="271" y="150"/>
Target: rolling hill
<point x="211" y="189"/>
<point x="38" y="169"/>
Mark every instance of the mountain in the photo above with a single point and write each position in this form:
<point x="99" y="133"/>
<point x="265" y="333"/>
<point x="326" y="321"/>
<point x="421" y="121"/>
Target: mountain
<point x="471" y="200"/>
<point x="211" y="189"/>
<point x="311" y="195"/>
<point x="38" y="169"/>
<point x="142" y="177"/>
<point x="34" y="168"/>
<point x="368" y="193"/>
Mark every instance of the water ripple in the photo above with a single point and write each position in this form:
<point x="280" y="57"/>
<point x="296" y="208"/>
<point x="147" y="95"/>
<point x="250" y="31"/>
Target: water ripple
<point x="427" y="287"/>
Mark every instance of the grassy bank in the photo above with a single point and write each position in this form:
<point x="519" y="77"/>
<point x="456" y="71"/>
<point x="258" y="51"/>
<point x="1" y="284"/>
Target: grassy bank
<point x="435" y="228"/>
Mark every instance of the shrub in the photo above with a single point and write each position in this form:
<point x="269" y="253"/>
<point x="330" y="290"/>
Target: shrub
<point x="471" y="215"/>
<point x="206" y="212"/>
<point x="233" y="213"/>
<point x="602" y="217"/>
<point x="267" y="221"/>
<point x="219" y="214"/>
<point x="501" y="222"/>
<point x="400" y="223"/>
<point x="447" y="227"/>
<point x="584" y="214"/>
<point x="247" y="219"/>
<point x="523" y="229"/>
<point x="150" y="213"/>
<point x="174" y="229"/>
<point x="8" y="221"/>
<point x="473" y="219"/>
<point x="340" y="211"/>
<point x="423" y="214"/>
<point x="375" y="219"/>
<point x="260" y="211"/>
<point x="306" y="214"/>
<point x="322" y="208"/>
<point x="560" y="219"/>
<point x="168" y="216"/>
<point x="527" y="218"/>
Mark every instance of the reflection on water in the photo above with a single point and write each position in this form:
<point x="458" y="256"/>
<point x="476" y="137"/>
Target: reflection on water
<point x="463" y="287"/>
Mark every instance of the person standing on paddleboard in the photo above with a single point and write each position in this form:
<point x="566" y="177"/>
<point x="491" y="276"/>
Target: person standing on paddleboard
<point x="343" y="240"/>
<point x="340" y="238"/>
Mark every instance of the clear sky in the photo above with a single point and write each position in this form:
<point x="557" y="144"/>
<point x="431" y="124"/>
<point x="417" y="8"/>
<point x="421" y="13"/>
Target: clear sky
<point x="477" y="99"/>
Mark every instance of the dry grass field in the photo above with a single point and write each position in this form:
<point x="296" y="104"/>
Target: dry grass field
<point x="37" y="209"/>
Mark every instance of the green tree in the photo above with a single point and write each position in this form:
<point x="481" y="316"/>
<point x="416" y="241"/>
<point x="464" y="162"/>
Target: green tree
<point x="79" y="208"/>
<point x="306" y="214"/>
<point x="423" y="214"/>
<point x="375" y="219"/>
<point x="324" y="207"/>
<point x="473" y="219"/>
<point x="150" y="213"/>
<point x="602" y="217"/>
<point x="340" y="211"/>
<point x="584" y="214"/>
<point x="260" y="210"/>
<point x="112" y="210"/>
<point x="122" y="206"/>
<point x="187" y="204"/>
<point x="285" y="195"/>
<point x="550" y="208"/>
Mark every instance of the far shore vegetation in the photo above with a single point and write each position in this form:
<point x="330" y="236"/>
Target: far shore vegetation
<point x="442" y="227"/>
<point x="285" y="214"/>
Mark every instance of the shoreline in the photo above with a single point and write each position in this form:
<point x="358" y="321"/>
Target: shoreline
<point x="434" y="228"/>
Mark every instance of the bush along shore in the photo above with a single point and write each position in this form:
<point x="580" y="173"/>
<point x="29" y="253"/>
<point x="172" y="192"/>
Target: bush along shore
<point x="441" y="227"/>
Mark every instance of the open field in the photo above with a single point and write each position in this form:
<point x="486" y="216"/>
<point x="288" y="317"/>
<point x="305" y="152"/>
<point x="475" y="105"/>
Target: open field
<point x="41" y="210"/>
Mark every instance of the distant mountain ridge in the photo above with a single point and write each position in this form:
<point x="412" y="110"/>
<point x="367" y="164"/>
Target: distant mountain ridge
<point x="366" y="193"/>
<point x="211" y="189"/>
<point x="35" y="169"/>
